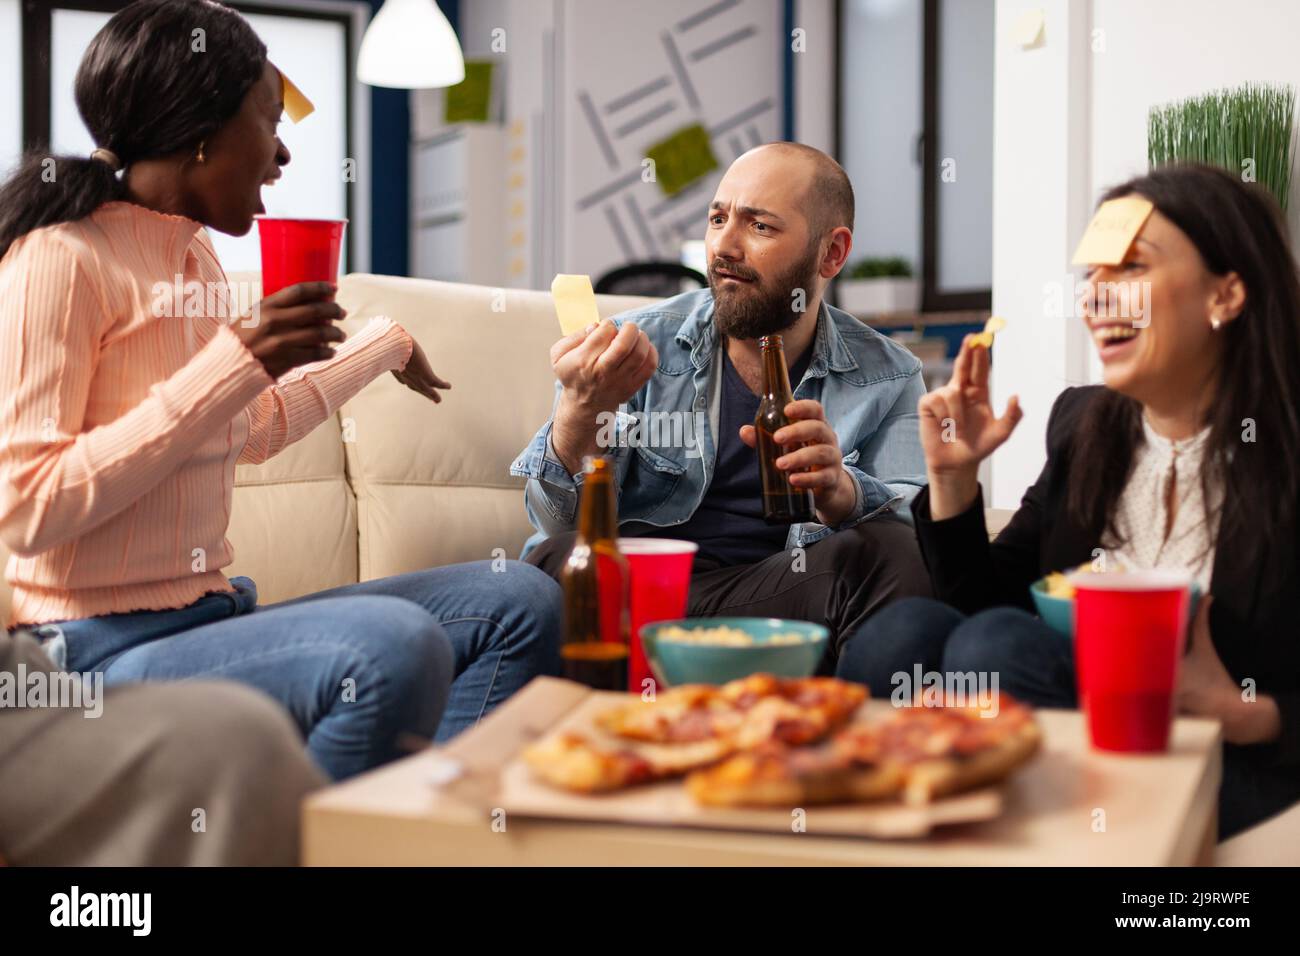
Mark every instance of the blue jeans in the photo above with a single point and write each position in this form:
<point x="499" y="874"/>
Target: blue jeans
<point x="358" y="667"/>
<point x="1034" y="663"/>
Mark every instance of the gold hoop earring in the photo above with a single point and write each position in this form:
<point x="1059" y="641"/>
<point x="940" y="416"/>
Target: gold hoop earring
<point x="201" y="158"/>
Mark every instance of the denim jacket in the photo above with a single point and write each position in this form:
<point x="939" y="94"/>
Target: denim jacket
<point x="867" y="384"/>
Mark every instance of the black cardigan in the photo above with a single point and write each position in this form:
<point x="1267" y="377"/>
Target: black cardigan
<point x="1255" y="633"/>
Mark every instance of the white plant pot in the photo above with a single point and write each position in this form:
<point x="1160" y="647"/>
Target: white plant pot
<point x="868" y="297"/>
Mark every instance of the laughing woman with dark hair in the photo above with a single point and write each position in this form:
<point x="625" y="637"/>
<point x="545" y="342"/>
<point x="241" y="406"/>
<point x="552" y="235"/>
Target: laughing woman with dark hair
<point x="1185" y="458"/>
<point x="120" y="429"/>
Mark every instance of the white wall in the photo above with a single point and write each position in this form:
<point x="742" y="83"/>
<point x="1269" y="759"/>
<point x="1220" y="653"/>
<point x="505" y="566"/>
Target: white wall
<point x="1157" y="51"/>
<point x="525" y="75"/>
<point x="1070" y="121"/>
<point x="633" y="74"/>
<point x="1040" y="202"/>
<point x="575" y="201"/>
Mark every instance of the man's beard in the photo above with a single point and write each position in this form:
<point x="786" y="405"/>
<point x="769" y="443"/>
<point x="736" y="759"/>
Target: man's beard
<point x="764" y="306"/>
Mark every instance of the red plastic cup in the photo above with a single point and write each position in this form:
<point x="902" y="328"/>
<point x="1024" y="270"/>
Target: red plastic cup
<point x="299" y="250"/>
<point x="661" y="581"/>
<point x="1129" y="631"/>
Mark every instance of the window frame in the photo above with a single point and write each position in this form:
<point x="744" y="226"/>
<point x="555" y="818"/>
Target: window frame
<point x="37" y="107"/>
<point x="932" y="299"/>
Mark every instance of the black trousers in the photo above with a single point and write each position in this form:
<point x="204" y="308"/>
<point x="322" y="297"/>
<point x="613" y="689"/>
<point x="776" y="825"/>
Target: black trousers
<point x="838" y="581"/>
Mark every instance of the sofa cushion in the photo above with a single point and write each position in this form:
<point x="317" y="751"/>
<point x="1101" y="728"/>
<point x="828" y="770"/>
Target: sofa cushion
<point x="293" y="524"/>
<point x="432" y="480"/>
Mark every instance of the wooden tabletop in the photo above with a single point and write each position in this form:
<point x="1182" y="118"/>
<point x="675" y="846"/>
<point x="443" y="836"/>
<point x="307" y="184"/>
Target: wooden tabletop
<point x="1071" y="806"/>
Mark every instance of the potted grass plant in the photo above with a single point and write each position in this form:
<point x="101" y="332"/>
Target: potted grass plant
<point x="1248" y="130"/>
<point x="879" y="286"/>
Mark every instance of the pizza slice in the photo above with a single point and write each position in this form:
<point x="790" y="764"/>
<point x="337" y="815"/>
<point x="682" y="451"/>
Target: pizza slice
<point x="571" y="762"/>
<point x="919" y="754"/>
<point x="945" y="750"/>
<point x="753" y="709"/>
<point x="586" y="764"/>
<point x="685" y="714"/>
<point x="775" y="775"/>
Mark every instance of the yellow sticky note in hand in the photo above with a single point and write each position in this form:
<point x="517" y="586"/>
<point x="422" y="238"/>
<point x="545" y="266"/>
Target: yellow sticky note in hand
<point x="296" y="105"/>
<point x="1106" y="240"/>
<point x="991" y="328"/>
<point x="575" y="303"/>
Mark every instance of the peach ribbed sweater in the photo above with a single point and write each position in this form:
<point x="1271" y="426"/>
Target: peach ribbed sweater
<point x="120" y="430"/>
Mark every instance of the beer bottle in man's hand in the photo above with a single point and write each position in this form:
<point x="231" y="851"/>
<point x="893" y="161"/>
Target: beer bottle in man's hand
<point x="783" y="503"/>
<point x="596" y="586"/>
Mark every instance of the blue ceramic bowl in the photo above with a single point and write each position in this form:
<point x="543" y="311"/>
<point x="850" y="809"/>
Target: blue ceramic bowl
<point x="680" y="662"/>
<point x="1058" y="612"/>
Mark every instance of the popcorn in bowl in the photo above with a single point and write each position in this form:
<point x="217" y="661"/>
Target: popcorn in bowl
<point x="725" y="636"/>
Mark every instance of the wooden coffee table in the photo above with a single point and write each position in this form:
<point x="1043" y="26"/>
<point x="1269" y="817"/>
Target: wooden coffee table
<point x="1071" y="806"/>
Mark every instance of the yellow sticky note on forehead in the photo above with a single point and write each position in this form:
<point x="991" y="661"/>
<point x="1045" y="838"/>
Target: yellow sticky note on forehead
<point x="1106" y="240"/>
<point x="296" y="105"/>
<point x="575" y="302"/>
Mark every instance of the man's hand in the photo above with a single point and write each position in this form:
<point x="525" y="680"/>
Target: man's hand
<point x="818" y="464"/>
<point x="602" y="367"/>
<point x="599" y="368"/>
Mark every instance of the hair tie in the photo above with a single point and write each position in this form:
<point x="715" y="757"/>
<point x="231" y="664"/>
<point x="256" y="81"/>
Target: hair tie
<point x="108" y="157"/>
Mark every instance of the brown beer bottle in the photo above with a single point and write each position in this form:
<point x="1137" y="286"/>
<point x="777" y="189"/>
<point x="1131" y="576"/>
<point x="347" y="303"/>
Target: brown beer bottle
<point x="596" y="586"/>
<point x="783" y="503"/>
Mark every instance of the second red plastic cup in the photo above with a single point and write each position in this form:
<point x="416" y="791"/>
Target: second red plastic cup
<point x="1129" y="631"/>
<point x="661" y="580"/>
<point x="298" y="250"/>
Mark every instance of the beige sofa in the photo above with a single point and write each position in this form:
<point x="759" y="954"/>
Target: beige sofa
<point x="394" y="482"/>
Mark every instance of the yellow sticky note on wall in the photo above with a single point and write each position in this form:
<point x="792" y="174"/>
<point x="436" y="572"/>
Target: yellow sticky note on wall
<point x="575" y="303"/>
<point x="1028" y="30"/>
<point x="296" y="105"/>
<point x="1106" y="240"/>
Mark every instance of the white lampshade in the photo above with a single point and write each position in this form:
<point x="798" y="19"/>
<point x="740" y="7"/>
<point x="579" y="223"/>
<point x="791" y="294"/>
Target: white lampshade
<point x="410" y="45"/>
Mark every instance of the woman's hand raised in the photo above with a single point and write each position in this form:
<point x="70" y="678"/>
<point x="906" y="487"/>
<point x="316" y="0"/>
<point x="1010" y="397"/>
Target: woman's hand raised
<point x="959" y="430"/>
<point x="293" y="327"/>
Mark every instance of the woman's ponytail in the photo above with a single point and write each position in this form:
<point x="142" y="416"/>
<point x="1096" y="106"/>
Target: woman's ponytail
<point x="44" y="190"/>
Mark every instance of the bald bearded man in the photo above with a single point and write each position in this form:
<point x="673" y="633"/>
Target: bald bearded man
<point x="779" y="229"/>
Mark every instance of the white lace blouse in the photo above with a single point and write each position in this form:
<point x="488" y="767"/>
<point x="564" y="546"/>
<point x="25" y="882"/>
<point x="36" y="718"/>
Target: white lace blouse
<point x="1142" y="514"/>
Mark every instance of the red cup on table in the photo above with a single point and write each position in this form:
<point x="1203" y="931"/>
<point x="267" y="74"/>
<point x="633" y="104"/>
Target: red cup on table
<point x="661" y="580"/>
<point x="298" y="250"/>
<point x="1129" y="634"/>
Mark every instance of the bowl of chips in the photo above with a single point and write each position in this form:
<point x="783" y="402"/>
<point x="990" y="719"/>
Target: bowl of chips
<point x="714" y="650"/>
<point x="1053" y="597"/>
<point x="1054" y="600"/>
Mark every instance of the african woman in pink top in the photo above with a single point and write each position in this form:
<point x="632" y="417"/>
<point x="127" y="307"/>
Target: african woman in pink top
<point x="120" y="429"/>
